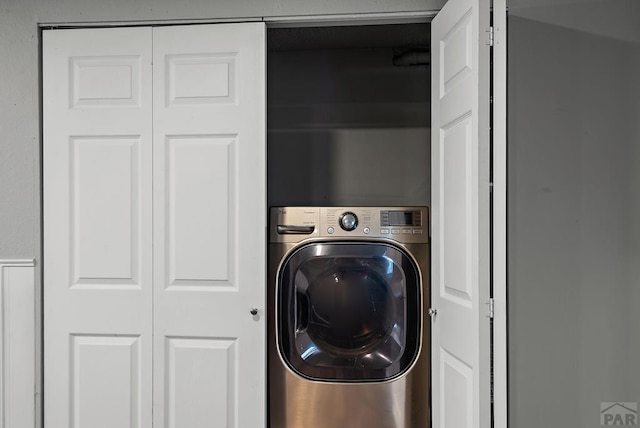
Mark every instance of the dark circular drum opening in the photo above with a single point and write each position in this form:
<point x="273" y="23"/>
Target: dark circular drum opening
<point x="352" y="310"/>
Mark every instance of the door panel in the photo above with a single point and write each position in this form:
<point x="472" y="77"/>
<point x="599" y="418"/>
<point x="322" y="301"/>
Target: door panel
<point x="199" y="177"/>
<point x="460" y="186"/>
<point x="201" y="382"/>
<point x="102" y="362"/>
<point x="105" y="249"/>
<point x="209" y="225"/>
<point x="97" y="227"/>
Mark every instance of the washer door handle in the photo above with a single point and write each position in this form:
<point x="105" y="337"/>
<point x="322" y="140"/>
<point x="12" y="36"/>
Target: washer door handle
<point x="284" y="229"/>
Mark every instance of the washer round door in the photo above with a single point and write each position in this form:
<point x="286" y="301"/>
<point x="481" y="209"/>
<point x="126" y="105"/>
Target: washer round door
<point x="349" y="312"/>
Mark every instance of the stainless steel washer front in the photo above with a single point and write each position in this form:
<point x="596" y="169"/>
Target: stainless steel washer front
<point x="348" y="339"/>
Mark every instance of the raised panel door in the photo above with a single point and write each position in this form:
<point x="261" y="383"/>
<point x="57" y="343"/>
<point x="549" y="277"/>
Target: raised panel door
<point x="97" y="228"/>
<point x="460" y="215"/>
<point x="209" y="225"/>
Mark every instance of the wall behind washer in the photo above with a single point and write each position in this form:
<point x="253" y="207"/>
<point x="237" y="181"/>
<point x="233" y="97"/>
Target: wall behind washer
<point x="20" y="89"/>
<point x="347" y="127"/>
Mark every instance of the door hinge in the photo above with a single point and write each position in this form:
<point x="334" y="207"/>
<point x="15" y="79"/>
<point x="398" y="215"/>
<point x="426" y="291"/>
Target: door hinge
<point x="490" y="306"/>
<point x="489" y="41"/>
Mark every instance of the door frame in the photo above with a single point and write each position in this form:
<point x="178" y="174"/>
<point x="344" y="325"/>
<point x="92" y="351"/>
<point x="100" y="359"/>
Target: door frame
<point x="499" y="215"/>
<point x="499" y="169"/>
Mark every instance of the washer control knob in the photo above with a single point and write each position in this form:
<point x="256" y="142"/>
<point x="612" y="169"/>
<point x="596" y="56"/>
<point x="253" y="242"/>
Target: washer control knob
<point x="348" y="221"/>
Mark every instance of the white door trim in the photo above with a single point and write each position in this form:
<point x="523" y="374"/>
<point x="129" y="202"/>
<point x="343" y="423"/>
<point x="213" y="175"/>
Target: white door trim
<point x="499" y="219"/>
<point x="373" y="18"/>
<point x="383" y="18"/>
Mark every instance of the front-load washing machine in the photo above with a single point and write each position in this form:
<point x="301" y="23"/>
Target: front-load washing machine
<point x="348" y="338"/>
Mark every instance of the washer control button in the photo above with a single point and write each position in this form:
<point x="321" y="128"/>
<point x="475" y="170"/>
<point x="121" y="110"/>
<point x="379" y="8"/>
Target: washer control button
<point x="395" y="231"/>
<point x="330" y="230"/>
<point x="348" y="221"/>
<point x="406" y="231"/>
<point x="417" y="231"/>
<point x="366" y="230"/>
<point x="384" y="231"/>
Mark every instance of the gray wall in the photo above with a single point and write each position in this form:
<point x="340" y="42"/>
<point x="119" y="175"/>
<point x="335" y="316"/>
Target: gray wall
<point x="574" y="210"/>
<point x="19" y="92"/>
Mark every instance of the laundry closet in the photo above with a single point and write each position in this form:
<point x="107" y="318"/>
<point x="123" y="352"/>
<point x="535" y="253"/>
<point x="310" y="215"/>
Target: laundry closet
<point x="163" y="146"/>
<point x="348" y="115"/>
<point x="348" y="184"/>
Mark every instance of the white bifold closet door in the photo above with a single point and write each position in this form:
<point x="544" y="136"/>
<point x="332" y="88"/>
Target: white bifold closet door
<point x="461" y="365"/>
<point x="154" y="220"/>
<point x="209" y="225"/>
<point x="98" y="301"/>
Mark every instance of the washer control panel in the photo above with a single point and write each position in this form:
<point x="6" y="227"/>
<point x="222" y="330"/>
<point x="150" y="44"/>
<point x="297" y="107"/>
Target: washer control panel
<point x="402" y="224"/>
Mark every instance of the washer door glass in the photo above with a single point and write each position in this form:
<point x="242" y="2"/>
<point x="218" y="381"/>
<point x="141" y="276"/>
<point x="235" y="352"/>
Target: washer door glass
<point x="349" y="311"/>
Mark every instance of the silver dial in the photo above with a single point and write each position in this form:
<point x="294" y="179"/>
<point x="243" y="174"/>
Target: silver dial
<point x="348" y="221"/>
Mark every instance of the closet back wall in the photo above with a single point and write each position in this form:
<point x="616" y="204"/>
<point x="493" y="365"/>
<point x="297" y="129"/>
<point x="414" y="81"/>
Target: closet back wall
<point x="346" y="126"/>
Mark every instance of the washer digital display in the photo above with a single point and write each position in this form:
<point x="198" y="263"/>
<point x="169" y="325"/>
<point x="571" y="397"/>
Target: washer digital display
<point x="400" y="218"/>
